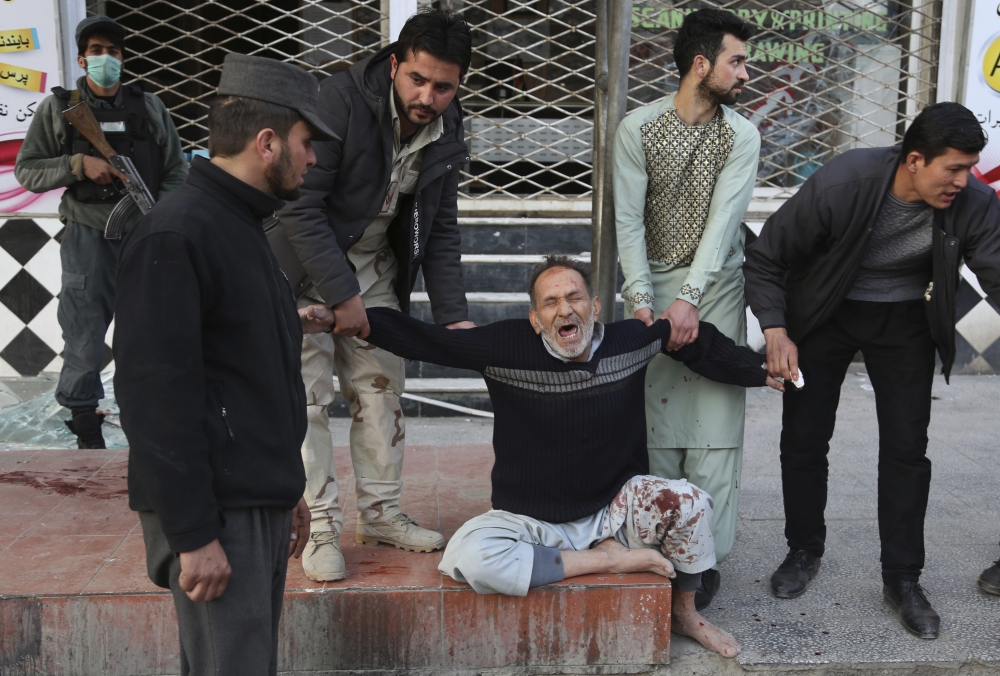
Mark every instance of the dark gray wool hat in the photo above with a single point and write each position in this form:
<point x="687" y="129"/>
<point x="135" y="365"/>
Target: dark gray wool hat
<point x="99" y="24"/>
<point x="256" y="77"/>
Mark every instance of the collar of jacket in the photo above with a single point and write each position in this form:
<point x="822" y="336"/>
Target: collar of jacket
<point x="371" y="77"/>
<point x="239" y="196"/>
<point x="94" y="102"/>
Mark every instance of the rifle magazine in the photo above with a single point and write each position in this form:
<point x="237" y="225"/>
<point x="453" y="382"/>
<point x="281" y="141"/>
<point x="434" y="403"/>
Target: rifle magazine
<point x="118" y="220"/>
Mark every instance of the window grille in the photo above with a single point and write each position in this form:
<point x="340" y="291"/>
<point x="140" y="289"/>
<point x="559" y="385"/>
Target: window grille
<point x="825" y="76"/>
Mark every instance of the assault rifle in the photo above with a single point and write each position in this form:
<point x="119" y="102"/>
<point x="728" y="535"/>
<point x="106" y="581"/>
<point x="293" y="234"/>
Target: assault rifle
<point x="137" y="195"/>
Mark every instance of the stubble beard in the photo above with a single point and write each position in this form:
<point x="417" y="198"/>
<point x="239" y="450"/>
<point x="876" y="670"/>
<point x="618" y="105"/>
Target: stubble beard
<point x="401" y="109"/>
<point x="279" y="175"/>
<point x="716" y="95"/>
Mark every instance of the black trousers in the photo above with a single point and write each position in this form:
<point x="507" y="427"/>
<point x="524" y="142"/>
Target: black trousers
<point x="899" y="355"/>
<point x="237" y="633"/>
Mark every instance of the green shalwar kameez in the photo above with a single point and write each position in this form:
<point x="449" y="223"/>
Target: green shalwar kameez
<point x="680" y="194"/>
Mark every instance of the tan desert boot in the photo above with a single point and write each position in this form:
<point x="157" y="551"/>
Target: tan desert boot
<point x="402" y="532"/>
<point x="321" y="559"/>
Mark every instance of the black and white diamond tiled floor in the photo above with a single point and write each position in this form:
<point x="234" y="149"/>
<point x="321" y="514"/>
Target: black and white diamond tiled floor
<point x="30" y="279"/>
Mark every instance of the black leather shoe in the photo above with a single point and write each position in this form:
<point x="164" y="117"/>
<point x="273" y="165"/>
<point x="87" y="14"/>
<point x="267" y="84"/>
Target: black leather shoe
<point x="711" y="580"/>
<point x="909" y="600"/>
<point x="794" y="574"/>
<point x="989" y="579"/>
<point x="86" y="425"/>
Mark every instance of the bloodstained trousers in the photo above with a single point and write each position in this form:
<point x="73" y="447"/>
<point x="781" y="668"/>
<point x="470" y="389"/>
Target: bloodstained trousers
<point x="718" y="472"/>
<point x="895" y="340"/>
<point x="493" y="552"/>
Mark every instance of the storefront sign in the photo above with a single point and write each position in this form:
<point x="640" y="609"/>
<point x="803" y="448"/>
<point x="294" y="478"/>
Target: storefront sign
<point x="29" y="41"/>
<point x="982" y="84"/>
<point x="822" y="79"/>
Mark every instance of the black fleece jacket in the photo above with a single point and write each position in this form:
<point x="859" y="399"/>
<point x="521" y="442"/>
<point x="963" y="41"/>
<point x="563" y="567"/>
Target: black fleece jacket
<point x="809" y="251"/>
<point x="567" y="435"/>
<point x="344" y="192"/>
<point x="207" y="349"/>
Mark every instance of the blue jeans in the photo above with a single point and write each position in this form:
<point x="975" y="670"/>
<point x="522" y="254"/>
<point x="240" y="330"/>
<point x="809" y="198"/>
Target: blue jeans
<point x="86" y="307"/>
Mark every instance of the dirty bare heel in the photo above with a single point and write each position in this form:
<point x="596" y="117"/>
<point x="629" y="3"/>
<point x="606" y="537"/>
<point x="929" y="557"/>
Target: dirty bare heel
<point x="687" y="621"/>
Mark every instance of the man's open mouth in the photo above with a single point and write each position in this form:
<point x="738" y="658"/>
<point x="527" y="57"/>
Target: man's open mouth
<point x="569" y="331"/>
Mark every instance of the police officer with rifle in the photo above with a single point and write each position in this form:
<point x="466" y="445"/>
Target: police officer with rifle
<point x="139" y="138"/>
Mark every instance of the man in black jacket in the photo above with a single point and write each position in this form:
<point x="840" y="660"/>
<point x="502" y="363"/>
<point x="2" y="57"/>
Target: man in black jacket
<point x="379" y="206"/>
<point x="207" y="351"/>
<point x="865" y="256"/>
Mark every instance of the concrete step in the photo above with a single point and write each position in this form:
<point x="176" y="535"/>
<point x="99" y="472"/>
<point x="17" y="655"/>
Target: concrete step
<point x="464" y="395"/>
<point x="76" y="599"/>
<point x="498" y="253"/>
<point x="525" y="235"/>
<point x="504" y="273"/>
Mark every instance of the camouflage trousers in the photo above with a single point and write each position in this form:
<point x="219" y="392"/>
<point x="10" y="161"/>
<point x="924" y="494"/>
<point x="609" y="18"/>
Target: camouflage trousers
<point x="493" y="552"/>
<point x="371" y="380"/>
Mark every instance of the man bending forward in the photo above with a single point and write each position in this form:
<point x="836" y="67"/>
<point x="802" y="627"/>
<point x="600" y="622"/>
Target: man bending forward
<point x="572" y="493"/>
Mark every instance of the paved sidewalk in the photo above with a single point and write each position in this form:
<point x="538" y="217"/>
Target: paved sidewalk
<point x="841" y="624"/>
<point x="841" y="619"/>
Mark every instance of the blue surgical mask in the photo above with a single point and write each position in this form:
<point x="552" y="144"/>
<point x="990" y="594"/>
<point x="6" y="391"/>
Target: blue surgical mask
<point x="105" y="70"/>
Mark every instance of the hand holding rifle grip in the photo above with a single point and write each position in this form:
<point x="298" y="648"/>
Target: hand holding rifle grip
<point x="137" y="195"/>
<point x="82" y="117"/>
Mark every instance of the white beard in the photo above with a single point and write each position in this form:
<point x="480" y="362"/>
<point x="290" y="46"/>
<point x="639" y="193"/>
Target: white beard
<point x="587" y="330"/>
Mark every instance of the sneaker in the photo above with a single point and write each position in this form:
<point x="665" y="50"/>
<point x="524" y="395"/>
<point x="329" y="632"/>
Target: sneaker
<point x="794" y="574"/>
<point x="989" y="579"/>
<point x="909" y="601"/>
<point x="402" y="532"/>
<point x="321" y="559"/>
<point x="86" y="425"/>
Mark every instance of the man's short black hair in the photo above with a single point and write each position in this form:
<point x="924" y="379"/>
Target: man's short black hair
<point x="942" y="126"/>
<point x="443" y="35"/>
<point x="702" y="32"/>
<point x="233" y="121"/>
<point x="558" y="260"/>
<point x="81" y="46"/>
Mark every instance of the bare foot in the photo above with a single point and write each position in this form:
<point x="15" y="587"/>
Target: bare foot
<point x="687" y="621"/>
<point x="625" y="560"/>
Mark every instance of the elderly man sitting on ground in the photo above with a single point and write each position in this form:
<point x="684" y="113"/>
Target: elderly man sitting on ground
<point x="571" y="490"/>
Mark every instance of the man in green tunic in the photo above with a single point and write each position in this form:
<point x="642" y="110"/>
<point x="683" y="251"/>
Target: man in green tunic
<point x="684" y="172"/>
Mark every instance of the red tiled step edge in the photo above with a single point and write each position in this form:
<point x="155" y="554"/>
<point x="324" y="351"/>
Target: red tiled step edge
<point x="599" y="621"/>
<point x="74" y="597"/>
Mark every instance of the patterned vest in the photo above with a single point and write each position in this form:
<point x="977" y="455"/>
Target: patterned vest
<point x="682" y="165"/>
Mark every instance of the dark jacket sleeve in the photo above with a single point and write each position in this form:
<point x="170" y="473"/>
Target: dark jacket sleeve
<point x="982" y="246"/>
<point x="442" y="264"/>
<point x="160" y="384"/>
<point x="717" y="357"/>
<point x="791" y="233"/>
<point x="411" y="338"/>
<point x="306" y="221"/>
